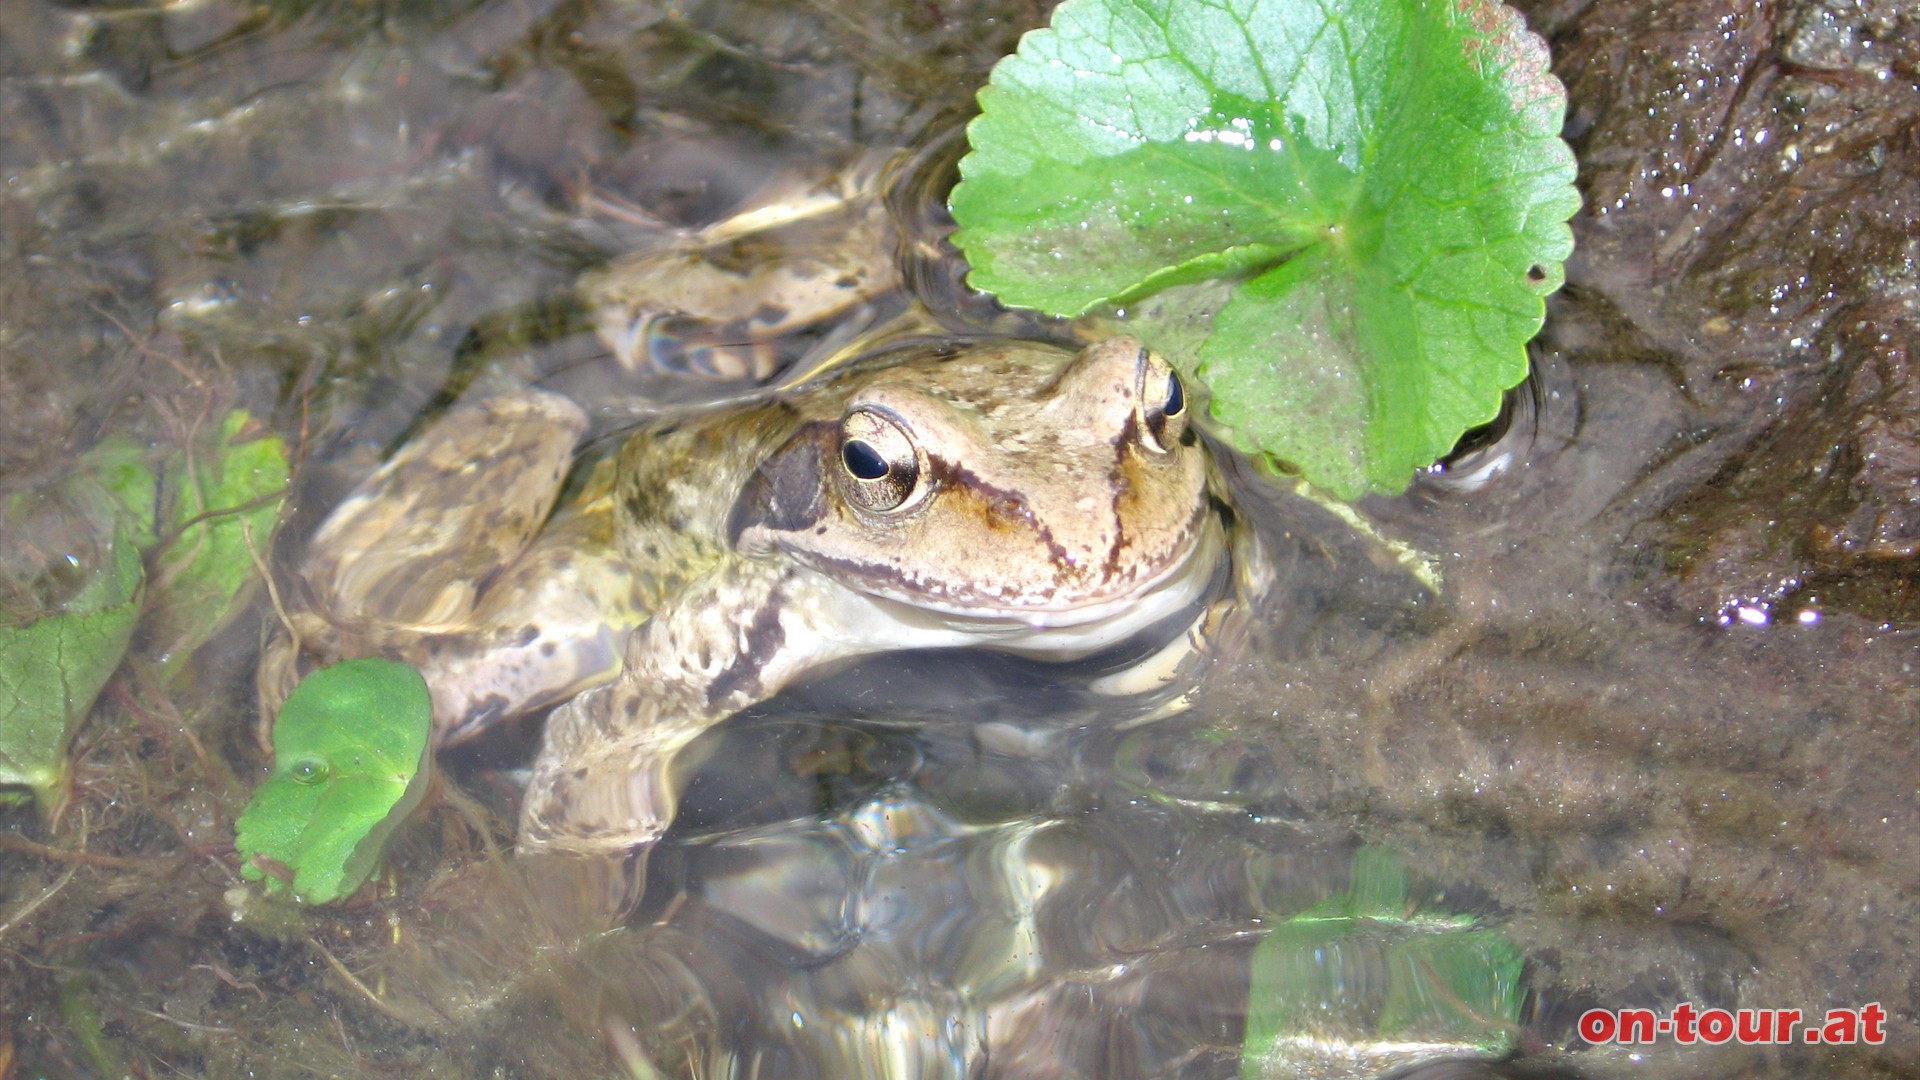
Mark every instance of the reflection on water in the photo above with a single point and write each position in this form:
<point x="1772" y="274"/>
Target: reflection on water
<point x="932" y="900"/>
<point x="338" y="214"/>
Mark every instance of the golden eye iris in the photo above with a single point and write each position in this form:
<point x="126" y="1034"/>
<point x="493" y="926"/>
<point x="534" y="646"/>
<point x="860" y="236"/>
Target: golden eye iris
<point x="880" y="466"/>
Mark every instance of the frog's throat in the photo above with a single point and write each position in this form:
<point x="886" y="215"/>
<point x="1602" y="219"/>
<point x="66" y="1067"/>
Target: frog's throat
<point x="1063" y="633"/>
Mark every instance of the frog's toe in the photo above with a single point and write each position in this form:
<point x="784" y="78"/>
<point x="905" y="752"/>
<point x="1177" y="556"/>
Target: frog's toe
<point x="668" y="343"/>
<point x="583" y="811"/>
<point x="607" y="781"/>
<point x="1164" y="665"/>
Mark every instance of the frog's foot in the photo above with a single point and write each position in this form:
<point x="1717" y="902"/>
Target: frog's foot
<point x="597" y="793"/>
<point x="752" y="349"/>
<point x="553" y="624"/>
<point x="1167" y="663"/>
<point x="740" y="300"/>
<point x="670" y="343"/>
<point x="609" y="773"/>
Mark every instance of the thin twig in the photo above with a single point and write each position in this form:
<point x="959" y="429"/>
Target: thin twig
<point x="33" y="905"/>
<point x="273" y="593"/>
<point x="255" y="503"/>
<point x="353" y="980"/>
<point x="227" y="977"/>
<point x="17" y="843"/>
<point x="177" y="363"/>
<point x="188" y="1024"/>
<point x="471" y="812"/>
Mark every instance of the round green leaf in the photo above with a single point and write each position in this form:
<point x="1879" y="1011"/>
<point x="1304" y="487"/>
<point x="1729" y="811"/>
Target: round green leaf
<point x="1383" y="181"/>
<point x="348" y="753"/>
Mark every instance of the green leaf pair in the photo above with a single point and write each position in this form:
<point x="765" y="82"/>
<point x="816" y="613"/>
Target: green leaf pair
<point x="1346" y="213"/>
<point x="109" y="515"/>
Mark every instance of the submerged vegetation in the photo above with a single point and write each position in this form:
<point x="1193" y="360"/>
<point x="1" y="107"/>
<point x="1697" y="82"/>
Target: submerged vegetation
<point x="201" y="520"/>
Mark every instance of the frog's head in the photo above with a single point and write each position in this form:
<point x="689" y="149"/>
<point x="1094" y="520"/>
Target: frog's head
<point x="1007" y="480"/>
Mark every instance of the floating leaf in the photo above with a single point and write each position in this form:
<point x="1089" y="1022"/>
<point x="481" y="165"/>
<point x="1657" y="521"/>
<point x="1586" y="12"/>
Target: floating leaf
<point x="1381" y="182"/>
<point x="53" y="668"/>
<point x="349" y="756"/>
<point x="225" y="510"/>
<point x="1375" y="978"/>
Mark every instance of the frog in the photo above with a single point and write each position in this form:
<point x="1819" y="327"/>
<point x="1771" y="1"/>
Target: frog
<point x="1022" y="496"/>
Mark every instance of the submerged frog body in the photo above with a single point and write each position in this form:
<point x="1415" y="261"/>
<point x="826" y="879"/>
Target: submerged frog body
<point x="1005" y="494"/>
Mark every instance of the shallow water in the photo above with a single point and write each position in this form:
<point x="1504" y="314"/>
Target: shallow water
<point x="1649" y="732"/>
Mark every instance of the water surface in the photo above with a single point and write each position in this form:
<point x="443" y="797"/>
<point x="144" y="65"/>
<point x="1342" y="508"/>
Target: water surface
<point x="1657" y="729"/>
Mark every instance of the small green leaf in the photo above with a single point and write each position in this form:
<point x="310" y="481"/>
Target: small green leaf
<point x="1381" y="181"/>
<point x="223" y="499"/>
<point x="1370" y="977"/>
<point x="53" y="668"/>
<point x="349" y="751"/>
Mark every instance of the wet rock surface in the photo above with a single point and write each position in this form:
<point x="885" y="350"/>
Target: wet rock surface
<point x="1718" y="691"/>
<point x="1752" y="175"/>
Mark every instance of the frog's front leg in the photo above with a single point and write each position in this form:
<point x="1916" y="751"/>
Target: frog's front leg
<point x="405" y="559"/>
<point x="606" y="782"/>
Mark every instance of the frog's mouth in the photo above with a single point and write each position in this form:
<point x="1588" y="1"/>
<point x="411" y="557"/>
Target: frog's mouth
<point x="1064" y="631"/>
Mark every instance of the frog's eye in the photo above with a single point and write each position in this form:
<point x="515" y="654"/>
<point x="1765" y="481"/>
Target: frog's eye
<point x="880" y="467"/>
<point x="1163" y="404"/>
